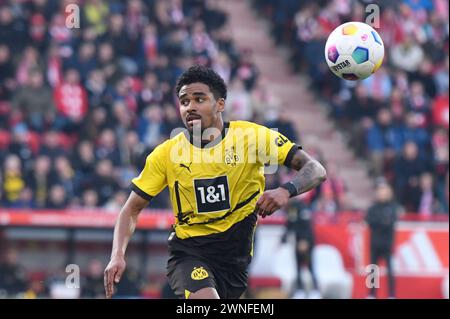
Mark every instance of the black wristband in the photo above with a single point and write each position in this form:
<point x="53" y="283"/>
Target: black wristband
<point x="290" y="187"/>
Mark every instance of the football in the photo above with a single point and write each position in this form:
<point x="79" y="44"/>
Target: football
<point x="354" y="51"/>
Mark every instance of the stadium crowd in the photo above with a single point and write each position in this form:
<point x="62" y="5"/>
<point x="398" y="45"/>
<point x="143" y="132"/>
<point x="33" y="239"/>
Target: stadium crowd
<point x="398" y="119"/>
<point x="80" y="109"/>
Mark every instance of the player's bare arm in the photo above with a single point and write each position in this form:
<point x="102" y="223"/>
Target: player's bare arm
<point x="124" y="229"/>
<point x="311" y="174"/>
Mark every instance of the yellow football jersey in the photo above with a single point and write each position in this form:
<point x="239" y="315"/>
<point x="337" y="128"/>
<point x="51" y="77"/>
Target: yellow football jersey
<point x="213" y="188"/>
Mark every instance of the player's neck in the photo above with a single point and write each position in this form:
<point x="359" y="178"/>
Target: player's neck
<point x="209" y="136"/>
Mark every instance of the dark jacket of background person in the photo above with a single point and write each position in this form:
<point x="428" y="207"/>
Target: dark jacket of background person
<point x="12" y="275"/>
<point x="299" y="222"/>
<point x="382" y="217"/>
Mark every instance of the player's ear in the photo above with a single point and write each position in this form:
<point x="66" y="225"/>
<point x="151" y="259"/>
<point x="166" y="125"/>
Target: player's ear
<point x="221" y="104"/>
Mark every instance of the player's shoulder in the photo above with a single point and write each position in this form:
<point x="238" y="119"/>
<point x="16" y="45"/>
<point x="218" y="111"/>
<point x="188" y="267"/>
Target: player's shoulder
<point x="180" y="137"/>
<point x="246" y="124"/>
<point x="168" y="143"/>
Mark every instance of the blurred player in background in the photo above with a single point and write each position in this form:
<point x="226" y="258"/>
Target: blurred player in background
<point x="381" y="218"/>
<point x="299" y="222"/>
<point x="215" y="203"/>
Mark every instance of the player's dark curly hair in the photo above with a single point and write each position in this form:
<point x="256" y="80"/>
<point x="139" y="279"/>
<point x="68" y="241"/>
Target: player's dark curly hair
<point x="205" y="75"/>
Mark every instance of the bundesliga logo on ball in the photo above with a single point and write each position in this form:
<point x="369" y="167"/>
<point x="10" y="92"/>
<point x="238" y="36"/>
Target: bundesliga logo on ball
<point x="354" y="51"/>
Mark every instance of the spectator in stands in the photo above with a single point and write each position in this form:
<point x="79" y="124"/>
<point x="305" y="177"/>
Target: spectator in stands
<point x="54" y="64"/>
<point x="40" y="180"/>
<point x="98" y="119"/>
<point x="96" y="13"/>
<point x="7" y="81"/>
<point x="99" y="93"/>
<point x="60" y="34"/>
<point x="57" y="198"/>
<point x="116" y="34"/>
<point x="222" y="65"/>
<point x="382" y="140"/>
<point x="151" y="92"/>
<point x="413" y="131"/>
<point x="419" y="103"/>
<point x="71" y="102"/>
<point x="107" y="148"/>
<point x="104" y="181"/>
<point x="201" y="44"/>
<point x="441" y="78"/>
<point x="151" y="127"/>
<point x="440" y="108"/>
<point x="123" y="119"/>
<point x="51" y="146"/>
<point x="246" y="70"/>
<point x="360" y="105"/>
<point x="106" y="61"/>
<point x="382" y="217"/>
<point x="65" y="175"/>
<point x="379" y="85"/>
<point x="13" y="181"/>
<point x="29" y="61"/>
<point x="25" y="199"/>
<point x="331" y="194"/>
<point x="116" y="202"/>
<point x="133" y="150"/>
<point x="35" y="102"/>
<point x="84" y="61"/>
<point x="262" y="99"/>
<point x="125" y="91"/>
<point x="425" y="77"/>
<point x="89" y="199"/>
<point x="407" y="55"/>
<point x="171" y="119"/>
<point x="20" y="145"/>
<point x="239" y="102"/>
<point x="408" y="168"/>
<point x="426" y="203"/>
<point x="84" y="163"/>
<point x="281" y="121"/>
<point x="441" y="164"/>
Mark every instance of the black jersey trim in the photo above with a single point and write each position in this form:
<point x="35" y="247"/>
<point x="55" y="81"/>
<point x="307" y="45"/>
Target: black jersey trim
<point x="290" y="154"/>
<point x="140" y="192"/>
<point x="208" y="144"/>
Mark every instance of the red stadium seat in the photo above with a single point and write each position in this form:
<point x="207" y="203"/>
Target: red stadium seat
<point x="34" y="141"/>
<point x="5" y="139"/>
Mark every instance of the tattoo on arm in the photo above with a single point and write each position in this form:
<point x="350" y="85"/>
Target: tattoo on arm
<point x="311" y="172"/>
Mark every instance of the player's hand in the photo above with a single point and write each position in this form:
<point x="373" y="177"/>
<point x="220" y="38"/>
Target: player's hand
<point x="271" y="200"/>
<point x="113" y="273"/>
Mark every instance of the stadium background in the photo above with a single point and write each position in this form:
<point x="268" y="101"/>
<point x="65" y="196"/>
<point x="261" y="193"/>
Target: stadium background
<point x="81" y="108"/>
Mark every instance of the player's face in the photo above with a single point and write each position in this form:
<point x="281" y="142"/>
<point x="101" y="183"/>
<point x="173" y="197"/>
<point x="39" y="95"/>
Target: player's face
<point x="198" y="107"/>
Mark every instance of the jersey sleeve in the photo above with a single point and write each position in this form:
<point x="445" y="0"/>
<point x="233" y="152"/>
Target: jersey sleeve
<point x="153" y="178"/>
<point x="277" y="147"/>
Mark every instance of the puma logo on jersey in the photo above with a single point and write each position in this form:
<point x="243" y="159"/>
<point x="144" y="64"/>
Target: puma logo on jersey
<point x="187" y="167"/>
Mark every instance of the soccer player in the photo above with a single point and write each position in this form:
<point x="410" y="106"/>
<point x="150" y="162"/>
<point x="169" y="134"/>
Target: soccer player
<point x="215" y="174"/>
